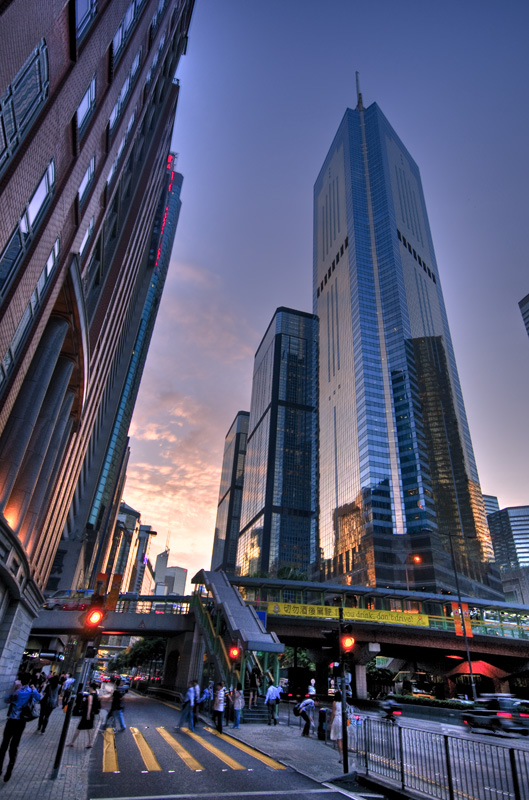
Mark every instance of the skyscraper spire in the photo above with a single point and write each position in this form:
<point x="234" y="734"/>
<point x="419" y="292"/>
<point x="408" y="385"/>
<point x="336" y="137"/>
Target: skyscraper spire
<point x="359" y="104"/>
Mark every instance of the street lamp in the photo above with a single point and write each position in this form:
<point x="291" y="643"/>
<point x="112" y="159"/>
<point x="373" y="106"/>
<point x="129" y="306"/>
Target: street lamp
<point x="411" y="558"/>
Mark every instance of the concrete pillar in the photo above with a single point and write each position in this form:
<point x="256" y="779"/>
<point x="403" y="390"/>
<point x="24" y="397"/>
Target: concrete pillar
<point x="14" y="634"/>
<point x="35" y="455"/>
<point x="39" y="547"/>
<point x="40" y="496"/>
<point x="361" y="681"/>
<point x="276" y="669"/>
<point x="19" y="428"/>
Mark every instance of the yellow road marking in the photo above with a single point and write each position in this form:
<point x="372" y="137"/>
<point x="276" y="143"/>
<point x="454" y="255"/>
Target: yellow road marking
<point x="228" y="760"/>
<point x="110" y="757"/>
<point x="247" y="749"/>
<point x="184" y="754"/>
<point x="145" y="751"/>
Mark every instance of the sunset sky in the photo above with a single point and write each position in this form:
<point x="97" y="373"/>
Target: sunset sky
<point x="264" y="86"/>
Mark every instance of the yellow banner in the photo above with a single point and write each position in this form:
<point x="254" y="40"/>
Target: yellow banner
<point x="360" y="614"/>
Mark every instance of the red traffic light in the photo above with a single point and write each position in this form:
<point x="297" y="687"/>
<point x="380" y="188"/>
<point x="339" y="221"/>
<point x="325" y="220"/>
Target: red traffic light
<point x="347" y="641"/>
<point x="94" y="617"/>
<point x="234" y="652"/>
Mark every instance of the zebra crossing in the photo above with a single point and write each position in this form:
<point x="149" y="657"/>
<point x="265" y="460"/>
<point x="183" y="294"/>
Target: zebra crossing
<point x="192" y="749"/>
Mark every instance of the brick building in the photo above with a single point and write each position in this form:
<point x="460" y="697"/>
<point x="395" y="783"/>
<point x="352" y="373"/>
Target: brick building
<point x="87" y="101"/>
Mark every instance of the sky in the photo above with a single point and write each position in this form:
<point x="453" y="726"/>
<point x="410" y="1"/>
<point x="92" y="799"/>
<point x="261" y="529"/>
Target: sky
<point x="263" y="88"/>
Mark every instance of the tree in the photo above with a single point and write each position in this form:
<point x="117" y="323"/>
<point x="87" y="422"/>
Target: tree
<point x="141" y="653"/>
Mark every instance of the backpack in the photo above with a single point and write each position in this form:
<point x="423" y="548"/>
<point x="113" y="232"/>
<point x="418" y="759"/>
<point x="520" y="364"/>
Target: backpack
<point x="297" y="710"/>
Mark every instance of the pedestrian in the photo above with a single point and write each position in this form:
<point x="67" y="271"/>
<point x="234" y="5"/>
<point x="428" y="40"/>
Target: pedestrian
<point x="336" y="724"/>
<point x="50" y="700"/>
<point x="205" y="699"/>
<point x="188" y="707"/>
<point x="196" y="687"/>
<point x="306" y="708"/>
<point x="67" y="689"/>
<point x="15" y="723"/>
<point x="272" y="698"/>
<point x="88" y="707"/>
<point x="254" y="687"/>
<point x="218" y="706"/>
<point x="115" y="713"/>
<point x="238" y="705"/>
<point x="312" y="687"/>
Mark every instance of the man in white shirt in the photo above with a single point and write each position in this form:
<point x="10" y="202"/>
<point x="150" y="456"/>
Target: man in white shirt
<point x="272" y="698"/>
<point x="304" y="708"/>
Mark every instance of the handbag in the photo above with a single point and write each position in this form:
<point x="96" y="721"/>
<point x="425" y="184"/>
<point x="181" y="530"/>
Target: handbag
<point x="30" y="710"/>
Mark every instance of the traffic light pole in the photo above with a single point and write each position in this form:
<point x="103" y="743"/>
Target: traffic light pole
<point x="89" y="633"/>
<point x="80" y="668"/>
<point x="345" y="741"/>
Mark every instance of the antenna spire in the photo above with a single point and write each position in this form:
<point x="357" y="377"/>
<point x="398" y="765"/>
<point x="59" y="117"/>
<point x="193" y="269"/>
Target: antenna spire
<point x="359" y="104"/>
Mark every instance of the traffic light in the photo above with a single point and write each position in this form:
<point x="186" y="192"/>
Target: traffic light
<point x="92" y="619"/>
<point x="234" y="652"/>
<point x="347" y="641"/>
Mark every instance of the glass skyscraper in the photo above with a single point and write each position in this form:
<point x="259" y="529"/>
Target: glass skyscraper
<point x="278" y="516"/>
<point x="230" y="495"/>
<point x="398" y="484"/>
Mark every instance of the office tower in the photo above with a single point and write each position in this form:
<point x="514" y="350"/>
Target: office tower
<point x="88" y="100"/>
<point x="524" y="308"/>
<point x="397" y="476"/>
<point x="83" y="556"/>
<point x="230" y="495"/>
<point x="168" y="580"/>
<point x="509" y="529"/>
<point x="278" y="515"/>
<point x="491" y="504"/>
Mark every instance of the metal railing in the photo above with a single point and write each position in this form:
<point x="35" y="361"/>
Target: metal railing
<point x="439" y="766"/>
<point x="154" y="605"/>
<point x="215" y="642"/>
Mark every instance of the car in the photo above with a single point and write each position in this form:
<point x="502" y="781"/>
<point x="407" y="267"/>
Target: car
<point x="499" y="713"/>
<point x="69" y="600"/>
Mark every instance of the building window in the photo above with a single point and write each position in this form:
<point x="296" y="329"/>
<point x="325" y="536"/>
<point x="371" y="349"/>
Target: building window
<point x="86" y="106"/>
<point x="125" y="28"/>
<point x="23" y="326"/>
<point x="85" y="11"/>
<point x="87" y="180"/>
<point x="26" y="228"/>
<point x="126" y="89"/>
<point x="86" y="237"/>
<point x="21" y="102"/>
<point x="121" y="148"/>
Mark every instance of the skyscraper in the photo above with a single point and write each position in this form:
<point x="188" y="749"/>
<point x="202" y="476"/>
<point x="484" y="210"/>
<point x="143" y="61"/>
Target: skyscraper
<point x="278" y="516"/>
<point x="509" y="529"/>
<point x="524" y="308"/>
<point x="88" y="96"/>
<point x="398" y="484"/>
<point x="230" y="495"/>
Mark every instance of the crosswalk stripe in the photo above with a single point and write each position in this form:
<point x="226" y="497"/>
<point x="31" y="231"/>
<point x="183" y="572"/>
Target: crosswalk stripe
<point x="146" y="753"/>
<point x="110" y="757"/>
<point x="228" y="760"/>
<point x="270" y="762"/>
<point x="184" y="754"/>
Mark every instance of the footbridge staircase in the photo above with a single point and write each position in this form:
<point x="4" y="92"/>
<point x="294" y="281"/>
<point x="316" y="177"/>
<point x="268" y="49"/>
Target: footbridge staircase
<point x="223" y="620"/>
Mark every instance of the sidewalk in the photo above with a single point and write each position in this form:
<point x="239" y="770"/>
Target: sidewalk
<point x="312" y="757"/>
<point x="34" y="764"/>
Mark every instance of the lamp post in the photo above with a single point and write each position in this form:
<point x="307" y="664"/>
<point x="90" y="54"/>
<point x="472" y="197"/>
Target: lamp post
<point x="411" y="558"/>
